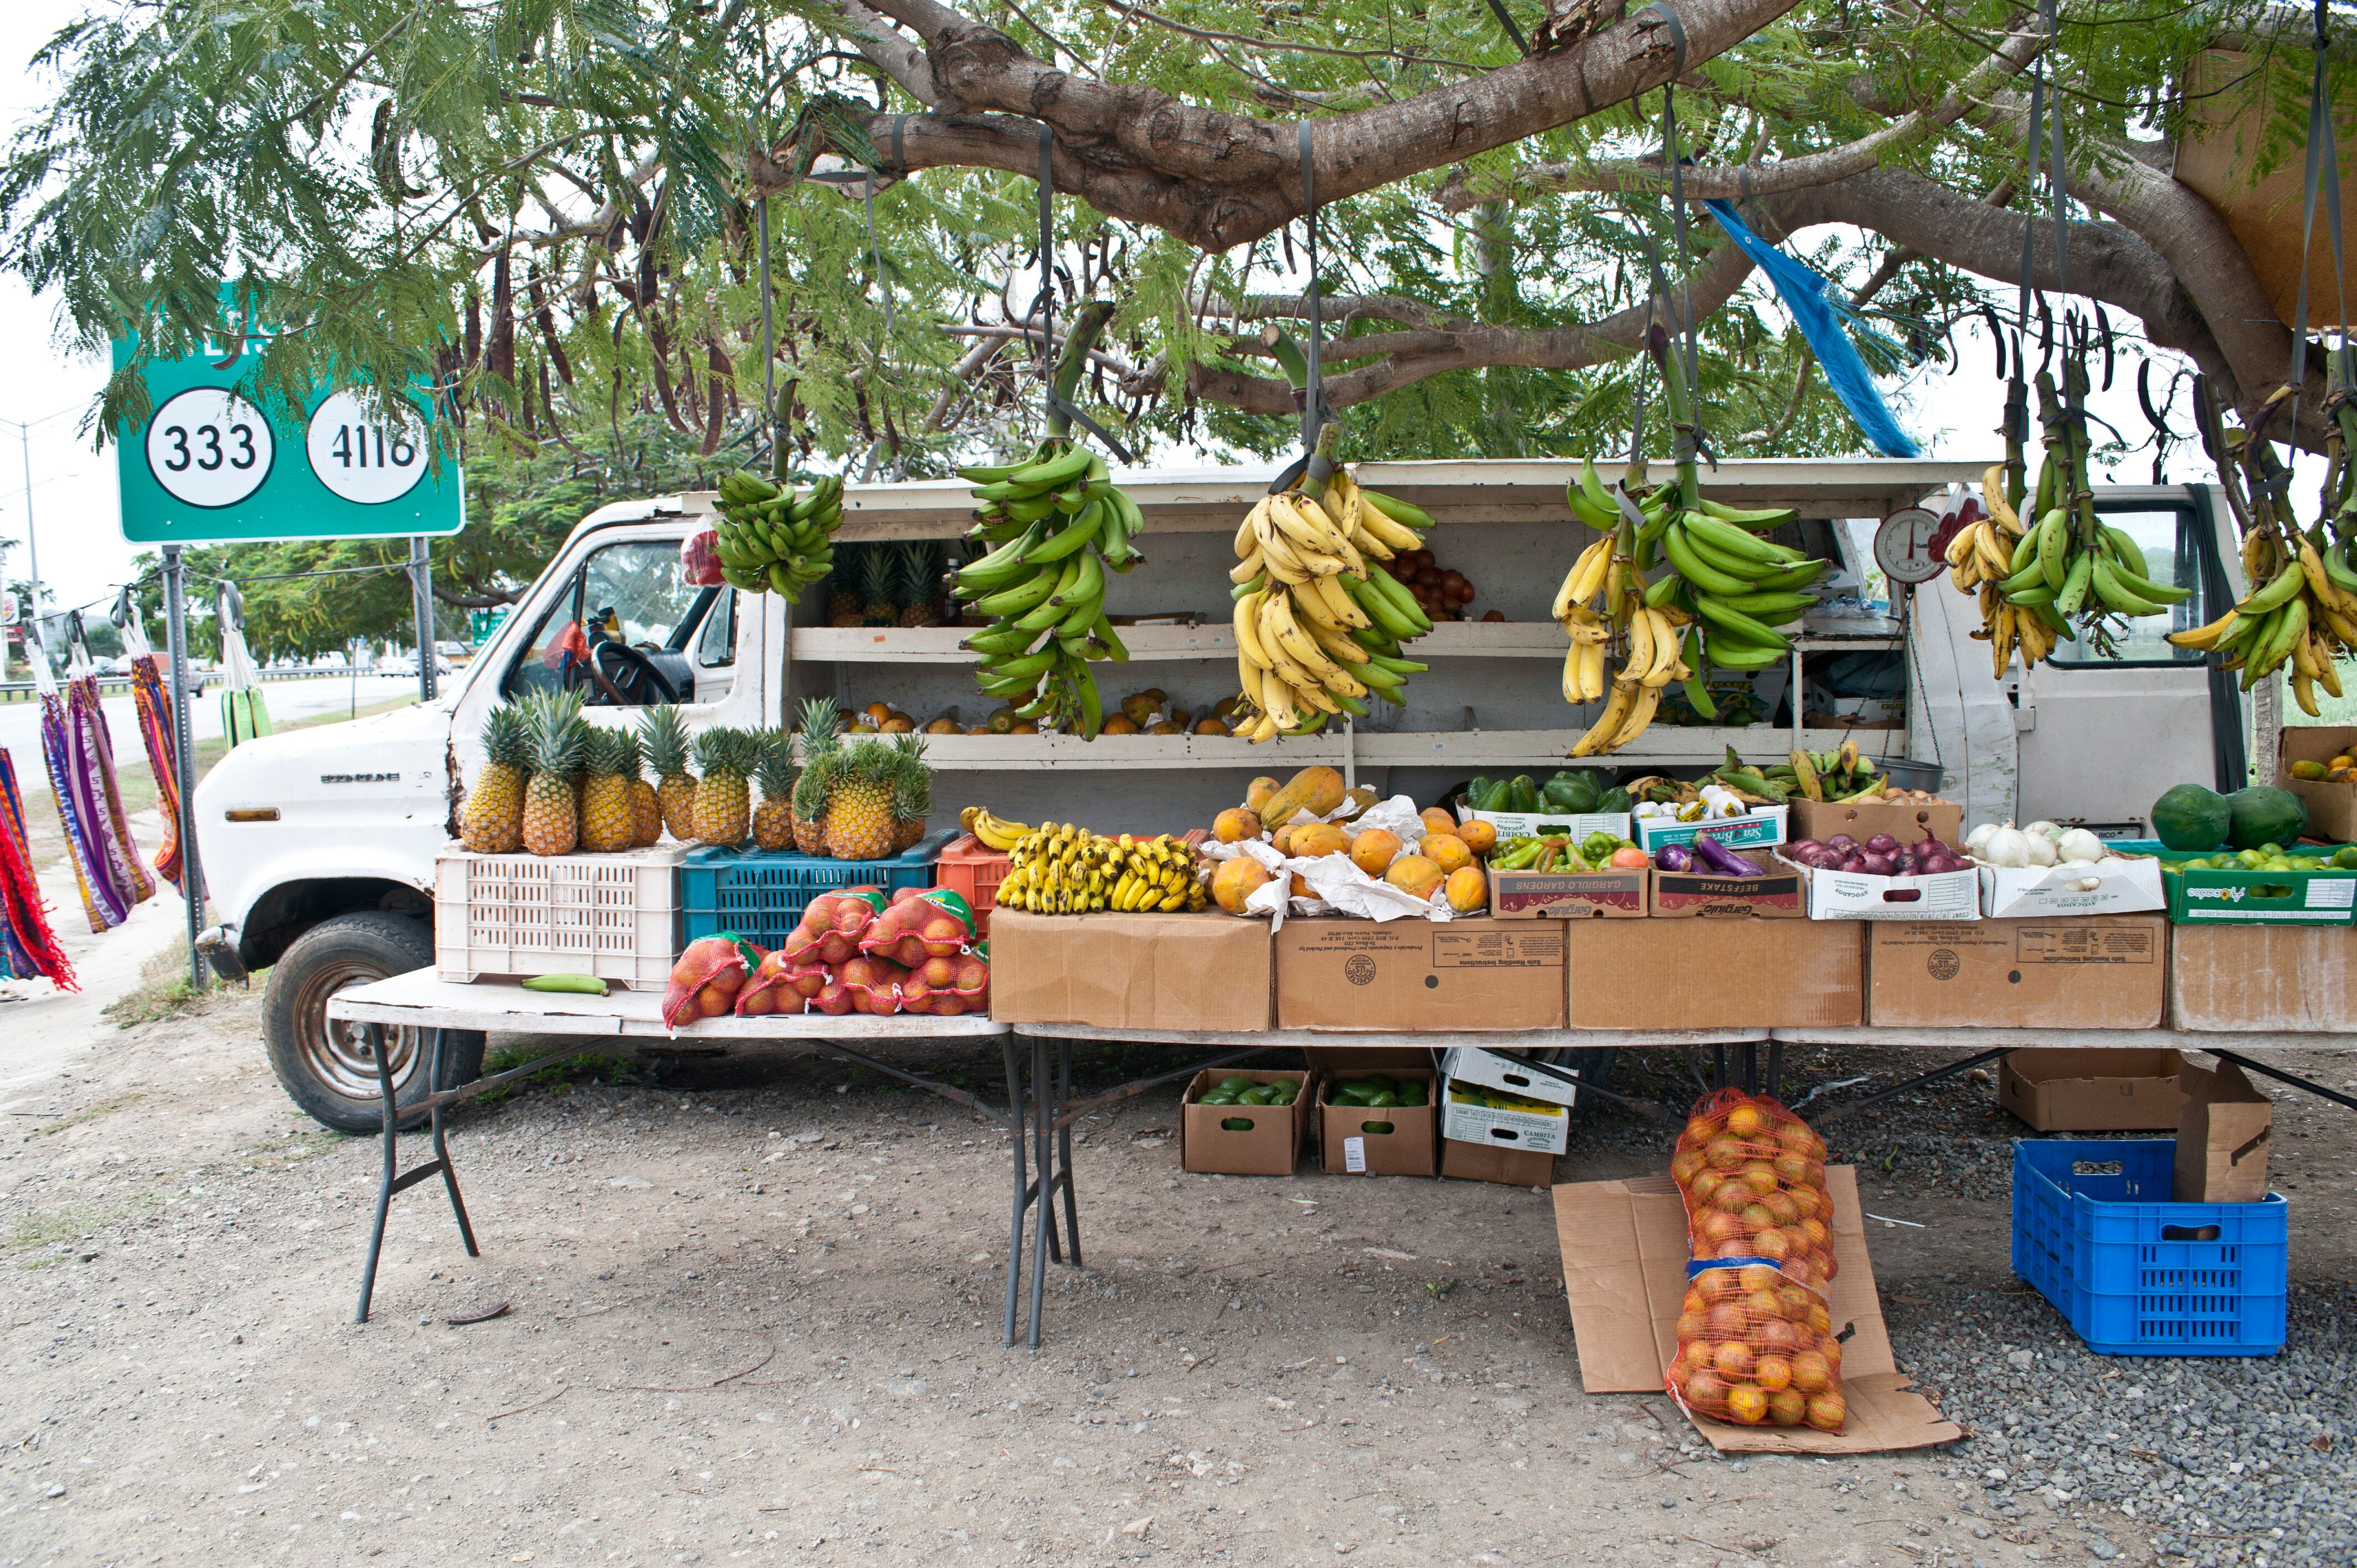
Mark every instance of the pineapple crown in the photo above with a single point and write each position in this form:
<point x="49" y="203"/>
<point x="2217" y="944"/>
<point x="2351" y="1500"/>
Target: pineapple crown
<point x="665" y="733"/>
<point x="723" y="750"/>
<point x="777" y="770"/>
<point x="875" y="575"/>
<point x="624" y="755"/>
<point x="507" y="737"/>
<point x="913" y="781"/>
<point x="559" y="735"/>
<point x="920" y="571"/>
<point x="811" y="790"/>
<point x="821" y="727"/>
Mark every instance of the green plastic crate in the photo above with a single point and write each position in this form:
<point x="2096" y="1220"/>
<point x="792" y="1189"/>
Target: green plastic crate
<point x="2253" y="898"/>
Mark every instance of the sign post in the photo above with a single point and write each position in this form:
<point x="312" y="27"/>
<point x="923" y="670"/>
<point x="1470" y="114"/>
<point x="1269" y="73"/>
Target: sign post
<point x="211" y="468"/>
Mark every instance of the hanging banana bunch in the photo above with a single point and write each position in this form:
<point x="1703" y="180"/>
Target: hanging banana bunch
<point x="776" y="539"/>
<point x="2304" y="611"/>
<point x="1723" y="600"/>
<point x="1057" y="523"/>
<point x="1319" y="622"/>
<point x="2035" y="578"/>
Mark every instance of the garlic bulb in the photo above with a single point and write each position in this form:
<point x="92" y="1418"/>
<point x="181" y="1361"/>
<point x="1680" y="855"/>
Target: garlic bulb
<point x="2007" y="846"/>
<point x="2041" y="848"/>
<point x="2080" y="847"/>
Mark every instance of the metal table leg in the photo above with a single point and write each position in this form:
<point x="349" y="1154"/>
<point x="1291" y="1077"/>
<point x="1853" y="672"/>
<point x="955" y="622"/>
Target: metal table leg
<point x="1043" y="1112"/>
<point x="1063" y="1182"/>
<point x="1022" y="1184"/>
<point x="391" y="1177"/>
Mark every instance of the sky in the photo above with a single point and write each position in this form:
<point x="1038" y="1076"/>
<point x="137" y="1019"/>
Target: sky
<point x="72" y="500"/>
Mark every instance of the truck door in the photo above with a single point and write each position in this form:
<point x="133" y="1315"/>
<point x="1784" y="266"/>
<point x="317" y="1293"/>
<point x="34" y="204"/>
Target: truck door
<point x="2103" y="731"/>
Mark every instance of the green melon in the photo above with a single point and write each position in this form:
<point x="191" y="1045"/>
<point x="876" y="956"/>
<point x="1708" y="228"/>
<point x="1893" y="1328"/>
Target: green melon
<point x="2264" y="814"/>
<point x="2191" y="818"/>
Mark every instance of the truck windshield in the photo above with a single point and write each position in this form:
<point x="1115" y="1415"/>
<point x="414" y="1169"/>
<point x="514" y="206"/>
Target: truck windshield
<point x="634" y="589"/>
<point x="2168" y="538"/>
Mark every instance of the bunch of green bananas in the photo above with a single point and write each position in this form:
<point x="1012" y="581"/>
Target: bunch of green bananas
<point x="1059" y="524"/>
<point x="774" y="539"/>
<point x="2304" y="612"/>
<point x="1059" y="869"/>
<point x="1841" y="775"/>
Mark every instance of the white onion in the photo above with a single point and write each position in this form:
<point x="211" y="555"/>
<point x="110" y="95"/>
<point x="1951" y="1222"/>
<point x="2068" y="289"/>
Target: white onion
<point x="2080" y="847"/>
<point x="2041" y="848"/>
<point x="2007" y="846"/>
<point x="2047" y="831"/>
<point x="1978" y="840"/>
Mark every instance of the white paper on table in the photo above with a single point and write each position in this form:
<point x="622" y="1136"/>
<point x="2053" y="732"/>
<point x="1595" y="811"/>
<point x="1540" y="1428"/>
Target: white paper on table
<point x="1337" y="884"/>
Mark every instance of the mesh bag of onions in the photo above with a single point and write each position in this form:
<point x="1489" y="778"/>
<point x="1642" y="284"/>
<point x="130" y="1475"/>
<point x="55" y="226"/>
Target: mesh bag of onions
<point x="1755" y="1340"/>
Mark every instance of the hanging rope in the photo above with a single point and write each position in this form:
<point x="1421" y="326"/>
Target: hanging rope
<point x="2321" y="174"/>
<point x="1044" y="304"/>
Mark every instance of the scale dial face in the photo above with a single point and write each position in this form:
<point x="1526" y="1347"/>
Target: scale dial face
<point x="1903" y="547"/>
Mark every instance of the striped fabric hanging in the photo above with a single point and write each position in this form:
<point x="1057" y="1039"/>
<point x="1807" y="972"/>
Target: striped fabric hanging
<point x="98" y="902"/>
<point x="154" y="705"/>
<point x="93" y="752"/>
<point x="28" y="947"/>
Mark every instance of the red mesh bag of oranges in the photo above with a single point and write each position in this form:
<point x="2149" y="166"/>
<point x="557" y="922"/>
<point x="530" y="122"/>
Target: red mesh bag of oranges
<point x="1755" y="1340"/>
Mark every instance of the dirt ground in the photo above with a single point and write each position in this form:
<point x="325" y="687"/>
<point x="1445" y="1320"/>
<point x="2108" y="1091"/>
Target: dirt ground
<point x="752" y="1310"/>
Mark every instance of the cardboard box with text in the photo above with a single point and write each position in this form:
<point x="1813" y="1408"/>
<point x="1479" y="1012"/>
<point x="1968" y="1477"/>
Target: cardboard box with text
<point x="1390" y="1140"/>
<point x="1738" y="974"/>
<point x="2066" y="1091"/>
<point x="1569" y="894"/>
<point x="1472" y="974"/>
<point x="1268" y="1141"/>
<point x="1488" y="1162"/>
<point x="2085" y="971"/>
<point x="1908" y="822"/>
<point x="1774" y="895"/>
<point x="1208" y="972"/>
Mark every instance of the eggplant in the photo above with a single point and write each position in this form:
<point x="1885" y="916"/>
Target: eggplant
<point x="1674" y="857"/>
<point x="1720" y="860"/>
<point x="1882" y="844"/>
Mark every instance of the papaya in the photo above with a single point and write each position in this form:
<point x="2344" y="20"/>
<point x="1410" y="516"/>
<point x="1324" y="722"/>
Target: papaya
<point x="2190" y="817"/>
<point x="2264" y="814"/>
<point x="1314" y="789"/>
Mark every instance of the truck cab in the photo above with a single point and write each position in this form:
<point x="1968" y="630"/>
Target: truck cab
<point x="318" y="845"/>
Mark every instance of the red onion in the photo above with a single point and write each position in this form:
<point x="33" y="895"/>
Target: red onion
<point x="1875" y="865"/>
<point x="1841" y="842"/>
<point x="1882" y="844"/>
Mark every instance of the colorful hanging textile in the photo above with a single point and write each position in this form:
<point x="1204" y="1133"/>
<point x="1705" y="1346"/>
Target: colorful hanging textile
<point x="28" y="947"/>
<point x="98" y="897"/>
<point x="154" y="705"/>
<point x="94" y="759"/>
<point x="245" y="715"/>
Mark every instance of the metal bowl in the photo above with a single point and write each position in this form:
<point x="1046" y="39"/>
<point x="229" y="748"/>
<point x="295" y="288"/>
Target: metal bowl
<point x="1905" y="773"/>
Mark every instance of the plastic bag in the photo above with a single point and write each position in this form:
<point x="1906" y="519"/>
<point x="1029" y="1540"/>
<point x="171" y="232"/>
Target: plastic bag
<point x="707" y="977"/>
<point x="1753" y="1178"/>
<point x="874" y="984"/>
<point x="832" y="926"/>
<point x="699" y="562"/>
<point x="1757" y="1349"/>
<point x="771" y="988"/>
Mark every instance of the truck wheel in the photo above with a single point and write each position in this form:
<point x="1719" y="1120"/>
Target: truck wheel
<point x="329" y="1068"/>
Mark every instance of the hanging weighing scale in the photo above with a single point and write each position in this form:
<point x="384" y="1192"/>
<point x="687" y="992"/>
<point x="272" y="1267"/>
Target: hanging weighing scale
<point x="1904" y="546"/>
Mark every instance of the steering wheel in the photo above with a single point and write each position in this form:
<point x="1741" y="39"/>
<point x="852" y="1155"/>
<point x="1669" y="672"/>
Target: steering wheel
<point x="636" y="670"/>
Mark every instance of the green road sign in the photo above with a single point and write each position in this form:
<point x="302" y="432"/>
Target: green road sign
<point x="211" y="467"/>
<point x="481" y="624"/>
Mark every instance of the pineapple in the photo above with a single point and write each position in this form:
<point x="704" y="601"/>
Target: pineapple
<point x="876" y="589"/>
<point x="551" y="825"/>
<point x="841" y="604"/>
<point x="912" y="791"/>
<point x="646" y="812"/>
<point x="491" y="821"/>
<point x="821" y="722"/>
<point x="920" y="586"/>
<point x="773" y="821"/>
<point x="860" y="787"/>
<point x="724" y="804"/>
<point x="610" y="818"/>
<point x="666" y="742"/>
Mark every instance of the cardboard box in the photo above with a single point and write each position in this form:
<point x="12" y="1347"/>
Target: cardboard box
<point x="1499" y="1069"/>
<point x="1749" y="974"/>
<point x="1759" y="829"/>
<point x="1349" y="1145"/>
<point x="2331" y="808"/>
<point x="1689" y="895"/>
<point x="1466" y="974"/>
<point x="1131" y="972"/>
<point x="1570" y="895"/>
<point x="2262" y="979"/>
<point x="2065" y="1090"/>
<point x="1492" y="1162"/>
<point x="1534" y="824"/>
<point x="1624" y="1269"/>
<point x="1541" y="1129"/>
<point x="2125" y="884"/>
<point x="1904" y="819"/>
<point x="2089" y="972"/>
<point x="1854" y="895"/>
<point x="1271" y="1146"/>
<point x="2222" y="1138"/>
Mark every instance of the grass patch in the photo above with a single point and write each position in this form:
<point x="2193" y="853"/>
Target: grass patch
<point x="90" y="1113"/>
<point x="51" y="1227"/>
<point x="589" y="1066"/>
<point x="162" y="991"/>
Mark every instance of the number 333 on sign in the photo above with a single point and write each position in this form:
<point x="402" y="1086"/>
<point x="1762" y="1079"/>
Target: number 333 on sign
<point x="208" y="448"/>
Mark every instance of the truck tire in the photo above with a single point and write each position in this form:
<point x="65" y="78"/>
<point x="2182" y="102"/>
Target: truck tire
<point x="327" y="1069"/>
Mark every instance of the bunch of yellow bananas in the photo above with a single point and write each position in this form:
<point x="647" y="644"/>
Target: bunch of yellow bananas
<point x="1061" y="869"/>
<point x="992" y="832"/>
<point x="1319" y="622"/>
<point x="2304" y="612"/>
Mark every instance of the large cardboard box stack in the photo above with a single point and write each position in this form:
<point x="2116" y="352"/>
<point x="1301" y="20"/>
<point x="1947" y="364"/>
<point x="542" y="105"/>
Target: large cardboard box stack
<point x="1539" y="1127"/>
<point x="1422" y="975"/>
<point x="1735" y="974"/>
<point x="1208" y="972"/>
<point x="2102" y="1091"/>
<point x="2089" y="972"/>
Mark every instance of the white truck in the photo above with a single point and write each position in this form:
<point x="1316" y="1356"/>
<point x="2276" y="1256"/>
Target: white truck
<point x="319" y="845"/>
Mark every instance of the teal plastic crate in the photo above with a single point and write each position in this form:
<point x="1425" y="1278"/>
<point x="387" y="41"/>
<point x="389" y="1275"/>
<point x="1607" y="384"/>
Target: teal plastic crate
<point x="761" y="896"/>
<point x="2136" y="1274"/>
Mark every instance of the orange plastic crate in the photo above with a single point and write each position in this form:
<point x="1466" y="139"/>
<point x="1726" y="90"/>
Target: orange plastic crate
<point x="973" y="872"/>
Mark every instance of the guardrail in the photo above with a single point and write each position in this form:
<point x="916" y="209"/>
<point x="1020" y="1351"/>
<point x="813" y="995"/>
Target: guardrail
<point x="120" y="685"/>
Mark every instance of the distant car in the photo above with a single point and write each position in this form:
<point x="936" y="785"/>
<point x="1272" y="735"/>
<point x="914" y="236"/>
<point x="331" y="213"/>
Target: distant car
<point x="405" y="664"/>
<point x="453" y="653"/>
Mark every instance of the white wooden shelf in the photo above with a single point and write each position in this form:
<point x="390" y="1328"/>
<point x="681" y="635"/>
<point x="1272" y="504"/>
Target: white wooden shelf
<point x="1471" y="750"/>
<point x="1214" y="640"/>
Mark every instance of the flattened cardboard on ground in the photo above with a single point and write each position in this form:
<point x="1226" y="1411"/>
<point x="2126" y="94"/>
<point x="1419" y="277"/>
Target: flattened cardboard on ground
<point x="2223" y="1136"/>
<point x="2331" y="808"/>
<point x="1486" y="1162"/>
<point x="1270" y="1146"/>
<point x="1735" y="974"/>
<point x="1908" y="822"/>
<point x="1131" y="972"/>
<point x="1624" y="1270"/>
<point x="2296" y="979"/>
<point x="2081" y="972"/>
<point x="2066" y="1091"/>
<point x="1463" y="974"/>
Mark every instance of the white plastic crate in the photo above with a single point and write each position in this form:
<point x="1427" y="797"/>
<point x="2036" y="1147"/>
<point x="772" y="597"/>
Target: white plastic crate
<point x="613" y="915"/>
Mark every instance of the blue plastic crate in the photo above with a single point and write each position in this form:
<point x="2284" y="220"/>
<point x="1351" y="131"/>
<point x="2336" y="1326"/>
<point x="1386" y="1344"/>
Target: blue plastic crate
<point x="761" y="897"/>
<point x="2136" y="1274"/>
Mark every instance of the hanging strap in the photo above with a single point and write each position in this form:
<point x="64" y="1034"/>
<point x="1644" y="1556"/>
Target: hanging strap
<point x="1313" y="412"/>
<point x="1689" y="441"/>
<point x="1044" y="306"/>
<point x="2322" y="173"/>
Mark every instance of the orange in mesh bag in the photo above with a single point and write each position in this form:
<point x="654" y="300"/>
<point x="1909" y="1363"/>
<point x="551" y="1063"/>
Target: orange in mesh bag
<point x="1753" y="1178"/>
<point x="1755" y="1349"/>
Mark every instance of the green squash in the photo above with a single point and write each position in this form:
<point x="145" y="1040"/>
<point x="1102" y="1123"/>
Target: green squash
<point x="2190" y="817"/>
<point x="2264" y="814"/>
